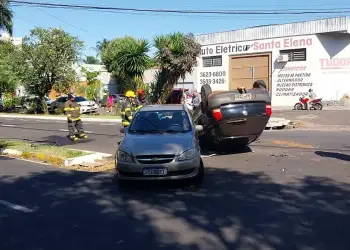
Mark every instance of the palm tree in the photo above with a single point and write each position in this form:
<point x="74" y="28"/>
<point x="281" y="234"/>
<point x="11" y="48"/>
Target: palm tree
<point x="100" y="45"/>
<point x="127" y="59"/>
<point x="6" y="16"/>
<point x="177" y="55"/>
<point x="133" y="60"/>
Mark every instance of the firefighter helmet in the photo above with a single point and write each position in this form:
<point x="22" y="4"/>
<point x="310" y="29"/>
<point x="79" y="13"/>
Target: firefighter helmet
<point x="130" y="94"/>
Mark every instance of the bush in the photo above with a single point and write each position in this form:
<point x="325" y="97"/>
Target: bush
<point x="59" y="111"/>
<point x="10" y="101"/>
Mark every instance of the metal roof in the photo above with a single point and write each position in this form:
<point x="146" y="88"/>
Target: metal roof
<point x="336" y="24"/>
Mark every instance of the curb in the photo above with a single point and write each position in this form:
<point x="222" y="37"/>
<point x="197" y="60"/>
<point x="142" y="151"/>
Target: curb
<point x="60" y="118"/>
<point x="54" y="160"/>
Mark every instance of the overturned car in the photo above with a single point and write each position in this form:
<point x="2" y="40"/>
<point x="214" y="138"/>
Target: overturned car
<point x="234" y="118"/>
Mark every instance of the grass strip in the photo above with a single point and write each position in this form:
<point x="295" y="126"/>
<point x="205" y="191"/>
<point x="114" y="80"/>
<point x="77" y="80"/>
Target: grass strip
<point x="45" y="153"/>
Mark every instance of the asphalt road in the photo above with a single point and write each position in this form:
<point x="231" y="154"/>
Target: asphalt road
<point x="267" y="199"/>
<point x="291" y="190"/>
<point x="103" y="137"/>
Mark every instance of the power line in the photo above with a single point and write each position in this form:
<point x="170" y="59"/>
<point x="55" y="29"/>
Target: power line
<point x="218" y="12"/>
<point x="67" y="22"/>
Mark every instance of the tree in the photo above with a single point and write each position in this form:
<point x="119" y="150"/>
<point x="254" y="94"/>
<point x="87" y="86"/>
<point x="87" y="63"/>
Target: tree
<point x="101" y="45"/>
<point x="94" y="84"/>
<point x="127" y="59"/>
<point x="91" y="60"/>
<point x="177" y="55"/>
<point x="8" y="77"/>
<point x="6" y="16"/>
<point x="46" y="60"/>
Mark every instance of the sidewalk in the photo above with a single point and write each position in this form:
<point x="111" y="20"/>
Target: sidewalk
<point x="312" y="118"/>
<point x="62" y="118"/>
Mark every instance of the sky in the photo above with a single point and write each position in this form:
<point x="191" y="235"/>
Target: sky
<point x="93" y="26"/>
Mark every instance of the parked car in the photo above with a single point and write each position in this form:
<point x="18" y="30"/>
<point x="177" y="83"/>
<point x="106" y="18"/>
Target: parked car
<point x="232" y="118"/>
<point x="161" y="143"/>
<point x="86" y="106"/>
<point x="27" y="102"/>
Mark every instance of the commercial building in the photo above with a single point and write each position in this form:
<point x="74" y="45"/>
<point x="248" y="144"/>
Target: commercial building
<point x="290" y="58"/>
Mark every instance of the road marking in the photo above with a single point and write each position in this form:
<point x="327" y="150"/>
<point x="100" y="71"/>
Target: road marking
<point x="88" y="132"/>
<point x="16" y="207"/>
<point x="63" y="130"/>
<point x="7" y="125"/>
<point x="107" y="124"/>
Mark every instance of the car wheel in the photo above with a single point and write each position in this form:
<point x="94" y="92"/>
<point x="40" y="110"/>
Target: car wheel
<point x="198" y="179"/>
<point x="205" y="92"/>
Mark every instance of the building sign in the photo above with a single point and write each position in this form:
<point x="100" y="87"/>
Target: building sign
<point x="293" y="81"/>
<point x="337" y="64"/>
<point x="215" y="77"/>
<point x="232" y="48"/>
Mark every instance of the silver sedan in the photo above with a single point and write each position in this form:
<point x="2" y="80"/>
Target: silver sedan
<point x="160" y="144"/>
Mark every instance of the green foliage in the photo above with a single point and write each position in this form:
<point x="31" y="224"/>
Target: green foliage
<point x="127" y="59"/>
<point x="158" y="85"/>
<point x="94" y="84"/>
<point x="10" y="101"/>
<point x="177" y="55"/>
<point x="8" y="78"/>
<point x="91" y="60"/>
<point x="46" y="61"/>
<point x="6" y="16"/>
<point x="101" y="45"/>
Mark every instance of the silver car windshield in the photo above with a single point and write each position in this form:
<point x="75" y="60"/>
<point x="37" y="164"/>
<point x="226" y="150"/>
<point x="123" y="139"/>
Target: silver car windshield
<point x="174" y="121"/>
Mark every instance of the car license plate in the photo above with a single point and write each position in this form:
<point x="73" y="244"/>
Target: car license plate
<point x="155" y="171"/>
<point x="243" y="97"/>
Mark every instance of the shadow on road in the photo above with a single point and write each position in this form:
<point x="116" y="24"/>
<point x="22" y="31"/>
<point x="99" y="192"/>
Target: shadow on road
<point x="64" y="141"/>
<point x="339" y="156"/>
<point x="77" y="210"/>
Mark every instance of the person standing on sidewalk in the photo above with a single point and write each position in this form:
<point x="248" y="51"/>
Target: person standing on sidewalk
<point x="196" y="101"/>
<point x="72" y="110"/>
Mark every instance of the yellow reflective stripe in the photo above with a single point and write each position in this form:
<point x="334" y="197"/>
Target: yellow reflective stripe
<point x="122" y="112"/>
<point x="130" y="117"/>
<point x="69" y="115"/>
<point x="71" y="109"/>
<point x="127" y="109"/>
<point x="126" y="123"/>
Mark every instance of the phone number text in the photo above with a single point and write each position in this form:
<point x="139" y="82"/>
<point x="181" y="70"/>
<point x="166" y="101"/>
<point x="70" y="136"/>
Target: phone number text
<point x="213" y="74"/>
<point x="212" y="81"/>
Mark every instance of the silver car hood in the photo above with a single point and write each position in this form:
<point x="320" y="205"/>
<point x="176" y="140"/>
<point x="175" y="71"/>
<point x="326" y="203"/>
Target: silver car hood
<point x="154" y="144"/>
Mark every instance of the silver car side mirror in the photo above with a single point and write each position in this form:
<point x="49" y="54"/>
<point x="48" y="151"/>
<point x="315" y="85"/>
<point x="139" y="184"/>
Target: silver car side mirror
<point x="199" y="128"/>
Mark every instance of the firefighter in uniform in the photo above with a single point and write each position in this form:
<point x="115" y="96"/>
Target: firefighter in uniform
<point x="128" y="108"/>
<point x="72" y="110"/>
<point x="141" y="99"/>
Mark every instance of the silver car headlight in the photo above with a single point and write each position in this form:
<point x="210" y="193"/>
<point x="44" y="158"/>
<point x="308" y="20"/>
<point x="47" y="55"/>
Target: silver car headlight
<point x="124" y="157"/>
<point x="188" y="154"/>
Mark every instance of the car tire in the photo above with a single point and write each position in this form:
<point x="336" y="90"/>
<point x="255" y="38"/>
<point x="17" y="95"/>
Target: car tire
<point x="198" y="179"/>
<point x="205" y="92"/>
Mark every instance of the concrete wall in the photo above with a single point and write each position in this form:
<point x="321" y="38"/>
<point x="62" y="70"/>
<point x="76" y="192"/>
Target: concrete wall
<point x="326" y="69"/>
